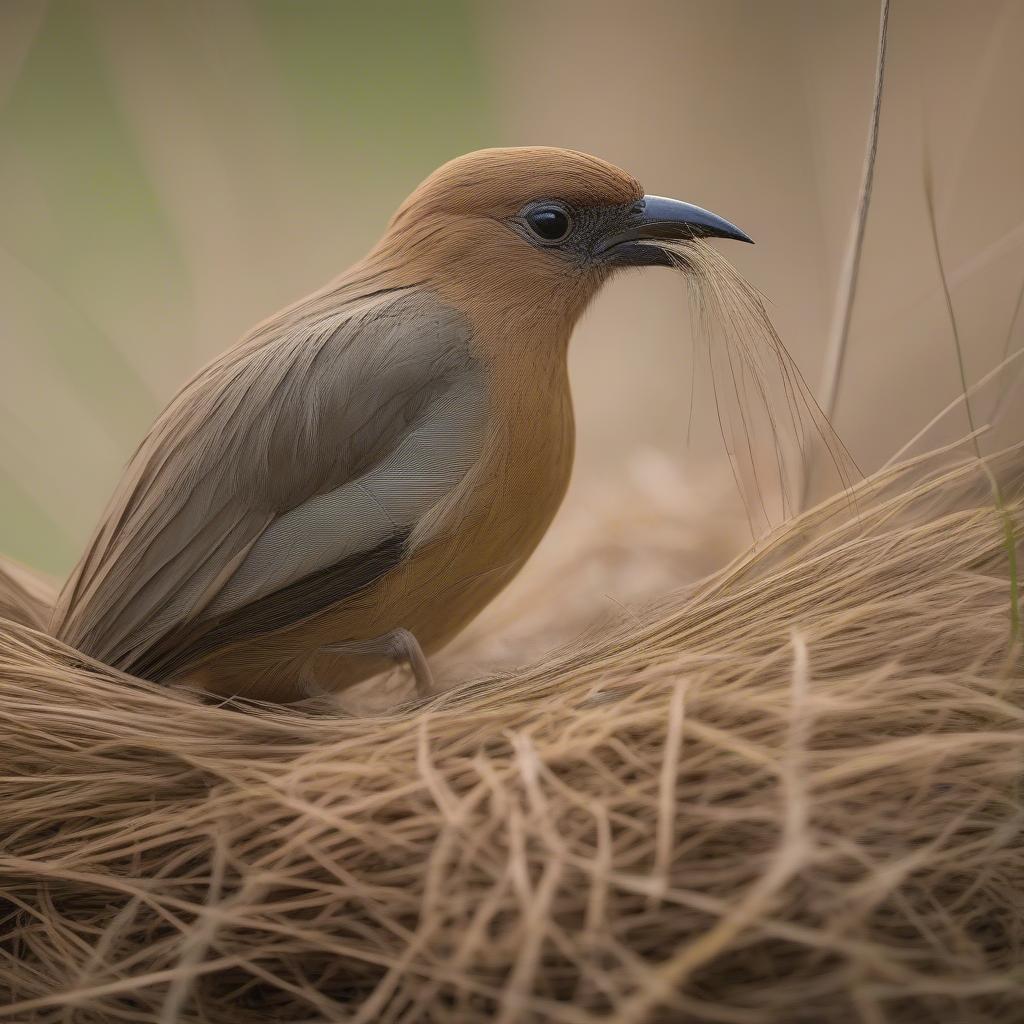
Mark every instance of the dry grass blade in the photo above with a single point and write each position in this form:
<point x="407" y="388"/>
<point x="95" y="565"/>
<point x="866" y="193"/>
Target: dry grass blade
<point x="1007" y="345"/>
<point x="1009" y="525"/>
<point x="835" y="354"/>
<point x="766" y="412"/>
<point x="791" y="795"/>
<point x="848" y="290"/>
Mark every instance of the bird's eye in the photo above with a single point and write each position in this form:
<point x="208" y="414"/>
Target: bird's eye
<point x="549" y="223"/>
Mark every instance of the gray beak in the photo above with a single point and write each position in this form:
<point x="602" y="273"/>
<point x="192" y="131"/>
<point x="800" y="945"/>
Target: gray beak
<point x="655" y="217"/>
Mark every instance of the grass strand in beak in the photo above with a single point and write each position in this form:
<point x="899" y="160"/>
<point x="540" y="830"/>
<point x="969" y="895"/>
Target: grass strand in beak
<point x="765" y="410"/>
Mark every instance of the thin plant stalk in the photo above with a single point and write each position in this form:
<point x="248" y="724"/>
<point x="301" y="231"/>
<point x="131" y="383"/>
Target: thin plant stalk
<point x="1009" y="526"/>
<point x="835" y="355"/>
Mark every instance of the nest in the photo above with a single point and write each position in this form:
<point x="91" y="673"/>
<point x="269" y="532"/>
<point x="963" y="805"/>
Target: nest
<point x="789" y="794"/>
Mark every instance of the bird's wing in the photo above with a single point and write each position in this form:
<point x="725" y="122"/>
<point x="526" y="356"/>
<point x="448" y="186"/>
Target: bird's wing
<point x="284" y="476"/>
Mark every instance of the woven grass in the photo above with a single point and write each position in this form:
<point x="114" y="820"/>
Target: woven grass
<point x="788" y="794"/>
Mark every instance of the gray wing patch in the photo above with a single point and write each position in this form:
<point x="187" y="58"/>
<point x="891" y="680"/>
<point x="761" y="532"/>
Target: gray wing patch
<point x="338" y="543"/>
<point x="434" y="454"/>
<point x="300" y="455"/>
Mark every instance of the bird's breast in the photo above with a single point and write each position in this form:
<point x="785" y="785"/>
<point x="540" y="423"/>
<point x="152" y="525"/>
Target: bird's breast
<point x="497" y="517"/>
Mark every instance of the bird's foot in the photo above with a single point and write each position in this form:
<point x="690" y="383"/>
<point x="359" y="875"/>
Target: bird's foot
<point x="401" y="646"/>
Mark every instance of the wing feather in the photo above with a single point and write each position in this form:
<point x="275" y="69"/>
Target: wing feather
<point x="298" y="455"/>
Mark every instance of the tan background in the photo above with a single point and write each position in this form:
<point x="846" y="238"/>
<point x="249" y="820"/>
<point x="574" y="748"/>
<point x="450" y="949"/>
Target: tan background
<point x="171" y="172"/>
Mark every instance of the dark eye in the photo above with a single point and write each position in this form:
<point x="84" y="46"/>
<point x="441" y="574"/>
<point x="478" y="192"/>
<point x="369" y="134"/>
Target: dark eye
<point x="551" y="223"/>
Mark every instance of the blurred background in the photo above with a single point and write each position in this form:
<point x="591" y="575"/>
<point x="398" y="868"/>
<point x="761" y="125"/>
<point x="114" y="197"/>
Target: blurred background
<point x="173" y="171"/>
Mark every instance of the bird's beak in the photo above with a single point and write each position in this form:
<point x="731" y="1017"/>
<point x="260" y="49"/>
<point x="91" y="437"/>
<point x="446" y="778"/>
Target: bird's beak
<point x="654" y="218"/>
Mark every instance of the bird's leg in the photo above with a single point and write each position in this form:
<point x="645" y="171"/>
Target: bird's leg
<point x="398" y="644"/>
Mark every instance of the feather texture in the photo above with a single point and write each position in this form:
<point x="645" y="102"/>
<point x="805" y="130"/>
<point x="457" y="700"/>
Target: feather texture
<point x="309" y="445"/>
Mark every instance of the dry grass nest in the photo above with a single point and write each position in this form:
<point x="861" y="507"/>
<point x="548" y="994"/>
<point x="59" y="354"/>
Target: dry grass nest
<point x="791" y="793"/>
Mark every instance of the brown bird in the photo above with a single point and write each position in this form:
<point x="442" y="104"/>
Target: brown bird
<point x="355" y="480"/>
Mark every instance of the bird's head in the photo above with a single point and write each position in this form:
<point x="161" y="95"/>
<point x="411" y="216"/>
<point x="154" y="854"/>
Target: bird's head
<point x="538" y="226"/>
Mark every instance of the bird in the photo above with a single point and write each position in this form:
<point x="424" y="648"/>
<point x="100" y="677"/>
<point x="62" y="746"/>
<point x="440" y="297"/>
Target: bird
<point x="347" y="486"/>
